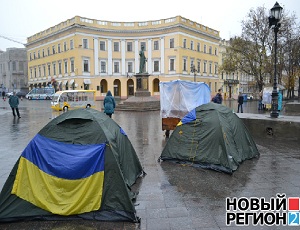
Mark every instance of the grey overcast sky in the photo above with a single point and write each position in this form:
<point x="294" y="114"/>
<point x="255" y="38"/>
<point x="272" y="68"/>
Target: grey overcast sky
<point x="20" y="19"/>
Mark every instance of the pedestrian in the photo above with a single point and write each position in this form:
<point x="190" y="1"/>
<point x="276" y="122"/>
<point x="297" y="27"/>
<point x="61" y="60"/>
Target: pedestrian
<point x="218" y="98"/>
<point x="260" y="105"/>
<point x="109" y="104"/>
<point x="240" y="102"/>
<point x="3" y="95"/>
<point x="14" y="103"/>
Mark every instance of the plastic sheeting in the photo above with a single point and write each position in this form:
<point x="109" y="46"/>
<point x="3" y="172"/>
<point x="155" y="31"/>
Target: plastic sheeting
<point x="267" y="97"/>
<point x="178" y="97"/>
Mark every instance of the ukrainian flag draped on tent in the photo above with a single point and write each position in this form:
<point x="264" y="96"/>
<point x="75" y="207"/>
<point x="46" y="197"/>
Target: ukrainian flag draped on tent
<point x="69" y="176"/>
<point x="81" y="165"/>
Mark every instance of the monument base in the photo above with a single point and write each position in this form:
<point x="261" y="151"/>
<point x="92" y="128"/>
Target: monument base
<point x="142" y="94"/>
<point x="140" y="104"/>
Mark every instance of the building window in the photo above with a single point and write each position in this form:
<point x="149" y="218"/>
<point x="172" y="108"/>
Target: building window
<point x="39" y="56"/>
<point x="172" y="43"/>
<point x="156" y="45"/>
<point x="58" y="48"/>
<point x="204" y="49"/>
<point x="102" y="45"/>
<point x="192" y="45"/>
<point x="210" y="50"/>
<point x="103" y="66"/>
<point x="156" y="66"/>
<point x="21" y="66"/>
<point x="53" y="49"/>
<point x="130" y="67"/>
<point x="34" y="72"/>
<point x="30" y="73"/>
<point x="66" y="66"/>
<point x="184" y="64"/>
<point x="129" y="46"/>
<point x="72" y="66"/>
<point x="216" y="68"/>
<point x="33" y="55"/>
<point x="49" y="70"/>
<point x="184" y="43"/>
<point x="85" y="65"/>
<point x="85" y="43"/>
<point x="40" y="74"/>
<point x="43" y="53"/>
<point x="116" y="67"/>
<point x="44" y="71"/>
<point x="216" y="51"/>
<point x="198" y="66"/>
<point x="59" y="68"/>
<point x="65" y="46"/>
<point x="48" y="51"/>
<point x="71" y="44"/>
<point x="116" y="47"/>
<point x="210" y="68"/>
<point x="14" y="66"/>
<point x="204" y="67"/>
<point x="172" y="64"/>
<point x="198" y="47"/>
<point x="216" y="86"/>
<point x="54" y="69"/>
<point x="30" y="58"/>
<point x="143" y="44"/>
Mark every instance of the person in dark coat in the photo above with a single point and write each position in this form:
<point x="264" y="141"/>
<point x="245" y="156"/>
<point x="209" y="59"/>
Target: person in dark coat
<point x="240" y="102"/>
<point x="218" y="98"/>
<point x="109" y="104"/>
<point x="14" y="103"/>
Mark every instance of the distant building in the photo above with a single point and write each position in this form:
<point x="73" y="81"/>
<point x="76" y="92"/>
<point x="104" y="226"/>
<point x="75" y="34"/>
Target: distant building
<point x="101" y="55"/>
<point x="13" y="70"/>
<point x="234" y="82"/>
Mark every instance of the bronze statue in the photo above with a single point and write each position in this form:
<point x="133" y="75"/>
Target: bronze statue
<point x="143" y="60"/>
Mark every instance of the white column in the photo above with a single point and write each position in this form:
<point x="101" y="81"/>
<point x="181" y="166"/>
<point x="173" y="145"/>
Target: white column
<point x="123" y="61"/>
<point x="96" y="55"/>
<point x="149" y="58"/>
<point x="162" y="55"/>
<point x="109" y="57"/>
<point x="136" y="59"/>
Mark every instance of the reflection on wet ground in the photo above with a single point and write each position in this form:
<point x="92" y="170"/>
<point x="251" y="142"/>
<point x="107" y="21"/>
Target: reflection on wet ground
<point x="171" y="196"/>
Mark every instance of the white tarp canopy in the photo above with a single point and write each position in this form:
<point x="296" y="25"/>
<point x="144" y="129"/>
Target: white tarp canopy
<point x="179" y="97"/>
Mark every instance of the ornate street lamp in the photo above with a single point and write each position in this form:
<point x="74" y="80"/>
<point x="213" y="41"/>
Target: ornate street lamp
<point x="194" y="70"/>
<point x="274" y="18"/>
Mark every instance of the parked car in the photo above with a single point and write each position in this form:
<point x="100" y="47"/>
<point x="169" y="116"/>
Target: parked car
<point x="8" y="94"/>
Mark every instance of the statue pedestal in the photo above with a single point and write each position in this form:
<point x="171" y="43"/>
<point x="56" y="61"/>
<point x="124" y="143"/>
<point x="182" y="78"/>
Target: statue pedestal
<point x="142" y="100"/>
<point x="142" y="89"/>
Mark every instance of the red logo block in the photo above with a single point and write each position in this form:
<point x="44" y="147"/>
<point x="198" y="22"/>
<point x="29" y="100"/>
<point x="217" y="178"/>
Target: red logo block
<point x="293" y="204"/>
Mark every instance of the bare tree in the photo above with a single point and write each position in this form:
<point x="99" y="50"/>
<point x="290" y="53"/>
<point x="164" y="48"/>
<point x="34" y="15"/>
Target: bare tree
<point x="253" y="51"/>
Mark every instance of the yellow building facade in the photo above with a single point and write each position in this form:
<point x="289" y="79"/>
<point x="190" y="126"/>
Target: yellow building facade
<point x="83" y="53"/>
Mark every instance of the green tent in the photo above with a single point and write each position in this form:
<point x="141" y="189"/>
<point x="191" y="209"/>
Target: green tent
<point x="211" y="136"/>
<point x="81" y="165"/>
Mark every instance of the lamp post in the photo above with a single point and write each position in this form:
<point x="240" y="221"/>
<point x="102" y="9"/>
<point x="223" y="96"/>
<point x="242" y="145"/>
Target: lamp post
<point x="274" y="18"/>
<point x="194" y="70"/>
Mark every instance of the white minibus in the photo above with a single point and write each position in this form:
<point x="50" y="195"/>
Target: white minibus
<point x="73" y="99"/>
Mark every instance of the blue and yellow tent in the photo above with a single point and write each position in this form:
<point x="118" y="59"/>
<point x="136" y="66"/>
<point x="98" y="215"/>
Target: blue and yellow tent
<point x="211" y="136"/>
<point x="80" y="165"/>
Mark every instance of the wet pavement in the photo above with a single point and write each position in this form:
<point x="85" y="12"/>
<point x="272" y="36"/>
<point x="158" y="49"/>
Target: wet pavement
<point x="171" y="196"/>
